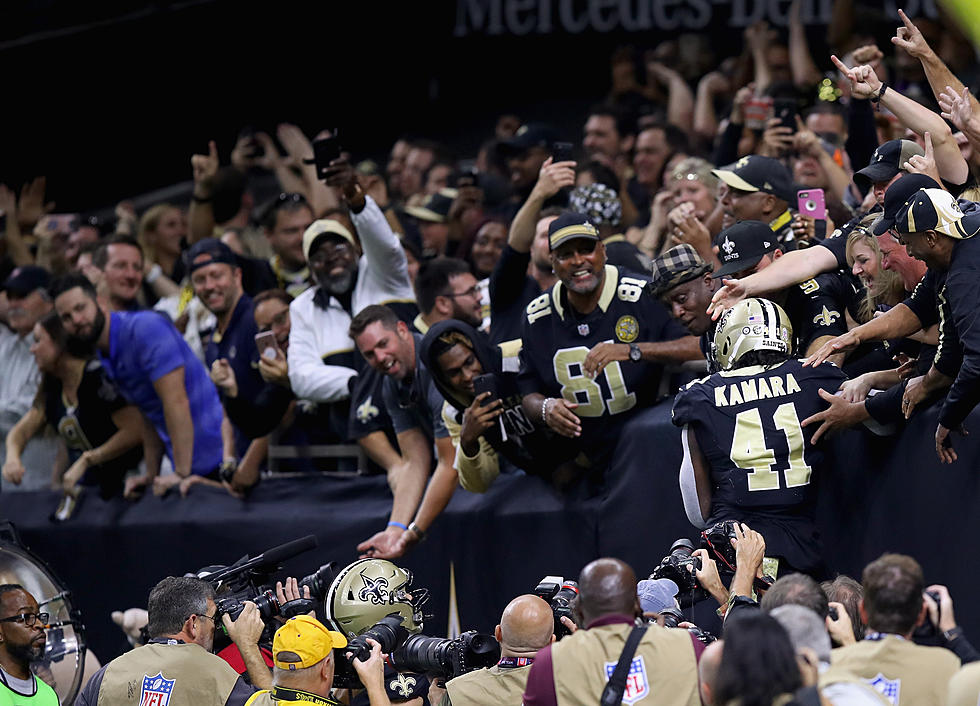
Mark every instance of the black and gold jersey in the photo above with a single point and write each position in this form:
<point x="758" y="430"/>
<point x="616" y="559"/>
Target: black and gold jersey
<point x="747" y="423"/>
<point x="557" y="339"/>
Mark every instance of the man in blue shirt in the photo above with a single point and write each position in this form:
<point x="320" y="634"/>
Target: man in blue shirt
<point x="154" y="369"/>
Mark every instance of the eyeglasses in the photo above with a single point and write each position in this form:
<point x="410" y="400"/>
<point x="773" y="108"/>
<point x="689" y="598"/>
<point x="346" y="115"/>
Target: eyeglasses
<point x="324" y="253"/>
<point x="29" y="619"/>
<point x="209" y="617"/>
<point x="285" y="198"/>
<point x="471" y="292"/>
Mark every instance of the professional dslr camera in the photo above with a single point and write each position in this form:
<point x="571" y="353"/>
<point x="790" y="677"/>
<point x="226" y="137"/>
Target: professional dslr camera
<point x="370" y="599"/>
<point x="680" y="564"/>
<point x="559" y="594"/>
<point x="673" y="618"/>
<point x="250" y="579"/>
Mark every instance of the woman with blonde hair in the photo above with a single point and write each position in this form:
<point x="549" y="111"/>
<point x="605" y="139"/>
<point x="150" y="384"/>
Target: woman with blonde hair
<point x="881" y="287"/>
<point x="162" y="231"/>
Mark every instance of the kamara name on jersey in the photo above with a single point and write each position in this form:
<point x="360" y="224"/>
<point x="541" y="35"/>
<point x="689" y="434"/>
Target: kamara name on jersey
<point x="756" y="388"/>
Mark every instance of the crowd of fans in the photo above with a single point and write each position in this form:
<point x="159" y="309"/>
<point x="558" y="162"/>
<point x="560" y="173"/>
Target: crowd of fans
<point x="288" y="303"/>
<point x="462" y="318"/>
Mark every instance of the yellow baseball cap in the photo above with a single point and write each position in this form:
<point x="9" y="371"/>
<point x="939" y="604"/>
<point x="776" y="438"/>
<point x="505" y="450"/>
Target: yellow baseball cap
<point x="302" y="642"/>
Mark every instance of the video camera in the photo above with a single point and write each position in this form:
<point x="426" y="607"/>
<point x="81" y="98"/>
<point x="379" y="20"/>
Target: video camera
<point x="559" y="594"/>
<point x="250" y="579"/>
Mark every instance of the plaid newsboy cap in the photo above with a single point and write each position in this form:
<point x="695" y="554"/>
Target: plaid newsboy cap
<point x="674" y="267"/>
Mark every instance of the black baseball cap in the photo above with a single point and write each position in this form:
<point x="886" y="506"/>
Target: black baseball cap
<point x="24" y="280"/>
<point x="897" y="197"/>
<point x="937" y="209"/>
<point x="755" y="173"/>
<point x="742" y="246"/>
<point x="886" y="162"/>
<point x="216" y="252"/>
<point x="569" y="226"/>
<point x="528" y="136"/>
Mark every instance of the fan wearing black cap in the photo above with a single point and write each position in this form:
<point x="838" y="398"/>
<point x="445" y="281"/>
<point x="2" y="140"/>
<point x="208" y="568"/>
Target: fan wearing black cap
<point x="817" y="307"/>
<point x="761" y="189"/>
<point x="27" y="302"/>
<point x="525" y="154"/>
<point x="433" y="221"/>
<point x="889" y="162"/>
<point x="594" y="344"/>
<point x="934" y="228"/>
<point x="229" y="348"/>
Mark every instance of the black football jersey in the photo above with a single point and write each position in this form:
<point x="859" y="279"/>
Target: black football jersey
<point x="557" y="340"/>
<point x="763" y="467"/>
<point x="819" y="307"/>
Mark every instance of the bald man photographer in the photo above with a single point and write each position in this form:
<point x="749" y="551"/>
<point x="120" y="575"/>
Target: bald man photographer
<point x="526" y="626"/>
<point x="662" y="670"/>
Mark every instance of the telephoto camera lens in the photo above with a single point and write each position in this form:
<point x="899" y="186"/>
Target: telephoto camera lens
<point x="318" y="582"/>
<point x="388" y="632"/>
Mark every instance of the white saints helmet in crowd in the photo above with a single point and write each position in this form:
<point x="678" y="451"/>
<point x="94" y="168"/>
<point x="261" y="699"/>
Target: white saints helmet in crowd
<point x="751" y="325"/>
<point x="368" y="590"/>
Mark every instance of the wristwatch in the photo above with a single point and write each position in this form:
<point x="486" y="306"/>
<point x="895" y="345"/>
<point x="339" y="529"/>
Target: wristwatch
<point x="635" y="355"/>
<point x="417" y="531"/>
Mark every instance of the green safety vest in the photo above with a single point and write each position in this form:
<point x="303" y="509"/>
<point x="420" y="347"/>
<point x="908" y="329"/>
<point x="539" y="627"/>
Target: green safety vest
<point x="43" y="695"/>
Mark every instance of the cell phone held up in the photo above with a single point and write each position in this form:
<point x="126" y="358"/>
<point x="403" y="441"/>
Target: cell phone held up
<point x="562" y="152"/>
<point x="265" y="342"/>
<point x="325" y="151"/>
<point x="811" y="202"/>
<point x="486" y="383"/>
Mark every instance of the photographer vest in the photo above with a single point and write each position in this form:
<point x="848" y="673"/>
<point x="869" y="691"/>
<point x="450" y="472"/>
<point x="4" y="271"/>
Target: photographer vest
<point x="835" y="677"/>
<point x="43" y="695"/>
<point x="905" y="673"/>
<point x="964" y="687"/>
<point x="489" y="686"/>
<point x="182" y="674"/>
<point x="664" y="670"/>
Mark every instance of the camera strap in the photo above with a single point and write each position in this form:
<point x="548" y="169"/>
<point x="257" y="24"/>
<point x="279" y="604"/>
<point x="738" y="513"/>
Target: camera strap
<point x="282" y="694"/>
<point x="612" y="695"/>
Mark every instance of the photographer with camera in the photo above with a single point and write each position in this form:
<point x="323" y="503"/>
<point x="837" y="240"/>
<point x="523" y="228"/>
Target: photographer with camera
<point x="655" y="660"/>
<point x="526" y="626"/>
<point x="303" y="654"/>
<point x="893" y="606"/>
<point x="176" y="667"/>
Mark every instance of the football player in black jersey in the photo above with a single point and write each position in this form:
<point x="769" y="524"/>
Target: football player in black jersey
<point x="594" y="343"/>
<point x="746" y="456"/>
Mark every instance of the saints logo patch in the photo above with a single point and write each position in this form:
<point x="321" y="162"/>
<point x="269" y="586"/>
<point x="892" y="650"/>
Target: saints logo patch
<point x="156" y="690"/>
<point x="627" y="329"/>
<point x="637" y="685"/>
<point x="366" y="411"/>
<point x="727" y="245"/>
<point x="826" y="317"/>
<point x="889" y="688"/>
<point x="403" y="685"/>
<point x="374" y="590"/>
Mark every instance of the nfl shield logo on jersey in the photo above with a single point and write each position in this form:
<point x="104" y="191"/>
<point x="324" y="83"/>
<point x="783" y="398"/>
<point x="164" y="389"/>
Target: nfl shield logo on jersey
<point x="156" y="690"/>
<point x="889" y="688"/>
<point x="637" y="685"/>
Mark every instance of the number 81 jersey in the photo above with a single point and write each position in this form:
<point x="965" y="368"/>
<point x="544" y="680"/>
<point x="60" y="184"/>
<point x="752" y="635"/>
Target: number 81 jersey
<point x="556" y="340"/>
<point x="747" y="425"/>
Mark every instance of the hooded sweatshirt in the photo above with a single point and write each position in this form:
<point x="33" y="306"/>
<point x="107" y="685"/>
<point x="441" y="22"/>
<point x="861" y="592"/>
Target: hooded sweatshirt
<point x="514" y="436"/>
